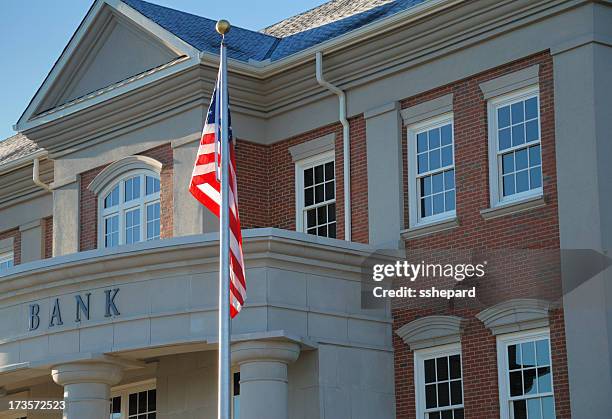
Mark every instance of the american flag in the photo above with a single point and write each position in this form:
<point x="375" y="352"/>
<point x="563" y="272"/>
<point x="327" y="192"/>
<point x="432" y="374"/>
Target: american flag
<point x="206" y="188"/>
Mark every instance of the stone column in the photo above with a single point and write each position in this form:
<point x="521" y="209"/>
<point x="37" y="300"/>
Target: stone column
<point x="87" y="387"/>
<point x="263" y="377"/>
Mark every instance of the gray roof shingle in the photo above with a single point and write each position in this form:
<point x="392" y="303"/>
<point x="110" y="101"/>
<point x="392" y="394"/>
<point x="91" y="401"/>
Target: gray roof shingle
<point x="326" y="13"/>
<point x="16" y="147"/>
<point x="285" y="38"/>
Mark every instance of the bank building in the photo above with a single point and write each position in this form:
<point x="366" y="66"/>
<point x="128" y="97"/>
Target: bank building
<point x="409" y="126"/>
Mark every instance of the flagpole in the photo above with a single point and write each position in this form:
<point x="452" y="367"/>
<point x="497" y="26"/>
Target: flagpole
<point x="224" y="387"/>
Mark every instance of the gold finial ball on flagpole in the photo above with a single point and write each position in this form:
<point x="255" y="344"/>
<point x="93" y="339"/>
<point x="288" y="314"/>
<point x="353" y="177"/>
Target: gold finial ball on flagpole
<point x="223" y="26"/>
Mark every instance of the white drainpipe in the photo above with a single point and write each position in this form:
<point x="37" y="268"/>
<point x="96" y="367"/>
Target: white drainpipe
<point x="346" y="143"/>
<point x="36" y="175"/>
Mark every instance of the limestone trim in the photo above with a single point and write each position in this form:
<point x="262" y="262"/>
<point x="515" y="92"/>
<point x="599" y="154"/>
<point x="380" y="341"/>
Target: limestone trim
<point x="313" y="148"/>
<point x="87" y="372"/>
<point x="265" y="350"/>
<point x="510" y="82"/>
<point x="429" y="331"/>
<point x="516" y="315"/>
<point x="427" y="110"/>
<point x="127" y="164"/>
<point x="513" y="207"/>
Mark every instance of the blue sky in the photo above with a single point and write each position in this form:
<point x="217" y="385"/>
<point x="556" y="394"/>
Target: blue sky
<point x="33" y="33"/>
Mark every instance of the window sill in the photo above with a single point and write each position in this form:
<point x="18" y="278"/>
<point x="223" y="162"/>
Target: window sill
<point x="513" y="207"/>
<point x="431" y="228"/>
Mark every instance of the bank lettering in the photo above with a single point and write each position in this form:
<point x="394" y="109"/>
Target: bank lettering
<point x="83" y="304"/>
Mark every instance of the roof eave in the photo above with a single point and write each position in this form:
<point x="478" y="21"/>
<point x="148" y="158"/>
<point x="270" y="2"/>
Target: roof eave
<point x="22" y="161"/>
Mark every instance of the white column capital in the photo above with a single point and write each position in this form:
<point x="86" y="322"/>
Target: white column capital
<point x="265" y="350"/>
<point x="87" y="372"/>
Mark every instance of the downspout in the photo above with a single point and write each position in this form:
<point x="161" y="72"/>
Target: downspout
<point x="346" y="143"/>
<point x="36" y="175"/>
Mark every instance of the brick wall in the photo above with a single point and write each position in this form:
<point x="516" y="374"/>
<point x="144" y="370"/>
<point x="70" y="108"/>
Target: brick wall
<point x="16" y="235"/>
<point x="47" y="226"/>
<point x="533" y="229"/>
<point x="88" y="203"/>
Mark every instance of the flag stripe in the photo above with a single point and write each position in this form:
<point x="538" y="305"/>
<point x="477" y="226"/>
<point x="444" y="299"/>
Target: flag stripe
<point x="205" y="187"/>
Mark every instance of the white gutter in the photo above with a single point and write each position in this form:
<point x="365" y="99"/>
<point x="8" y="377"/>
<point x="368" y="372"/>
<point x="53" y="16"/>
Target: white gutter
<point x="346" y="142"/>
<point x="36" y="175"/>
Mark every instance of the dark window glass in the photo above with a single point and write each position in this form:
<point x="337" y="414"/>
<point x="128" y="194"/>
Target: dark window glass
<point x="331" y="212"/>
<point x="520" y="409"/>
<point x="329" y="191"/>
<point x="430" y="370"/>
<point x="321" y="215"/>
<point x="442" y="368"/>
<point x="308" y="177"/>
<point x="142" y="402"/>
<point x="447" y="414"/>
<point x="516" y="383"/>
<point x="319" y="194"/>
<point x="529" y="380"/>
<point x="430" y="396"/>
<point x="456" y="396"/>
<point x="152" y="400"/>
<point x="443" y="394"/>
<point x="308" y="196"/>
<point x="331" y="230"/>
<point x="458" y="414"/>
<point x="329" y="170"/>
<point x="322" y="231"/>
<point x="455" y="366"/>
<point x="514" y="357"/>
<point x="318" y="174"/>
<point x="116" y="405"/>
<point x="133" y="404"/>
<point x="311" y="217"/>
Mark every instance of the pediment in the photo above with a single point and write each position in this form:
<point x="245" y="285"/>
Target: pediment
<point x="113" y="46"/>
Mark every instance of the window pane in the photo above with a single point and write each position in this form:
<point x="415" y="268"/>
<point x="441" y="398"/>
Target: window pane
<point x="331" y="212"/>
<point x="522" y="181"/>
<point x="535" y="177"/>
<point x="434" y="138"/>
<point x="423" y="163"/>
<point x="520" y="409"/>
<point x="455" y="366"/>
<point x="111" y="231"/>
<point x="311" y="217"/>
<point x="503" y="117"/>
<point x="438" y="182"/>
<point x="438" y="203"/>
<point x="329" y="170"/>
<point x="152" y="402"/>
<point x="433" y="415"/>
<point x="446" y="134"/>
<point x="520" y="159"/>
<point x="308" y="196"/>
<point x="430" y="396"/>
<point x="517" y="113"/>
<point x="534" y="155"/>
<point x="518" y="135"/>
<point x="322" y="231"/>
<point x="426" y="186"/>
<point x="447" y="414"/>
<point x="319" y="193"/>
<point x="508" y="163"/>
<point x="543" y="352"/>
<point x="318" y="170"/>
<point x="449" y="200"/>
<point x="533" y="408"/>
<point x="544" y="381"/>
<point x="531" y="129"/>
<point x="456" y="397"/>
<point x="329" y="191"/>
<point x="458" y="414"/>
<point x="132" y="226"/>
<point x="528" y="352"/>
<point x="529" y="381"/>
<point x="508" y="182"/>
<point x="505" y="140"/>
<point x="443" y="394"/>
<point x="142" y="402"/>
<point x="133" y="404"/>
<point x="421" y="142"/>
<point x="116" y="405"/>
<point x="153" y="221"/>
<point x="331" y="230"/>
<point x="152" y="185"/>
<point x="308" y="177"/>
<point x="442" y="368"/>
<point x="322" y="215"/>
<point x="426" y="207"/>
<point x="548" y="408"/>
<point x="430" y="370"/>
<point x="434" y="159"/>
<point x="112" y="198"/>
<point x="449" y="179"/>
<point x="132" y="189"/>
<point x="447" y="156"/>
<point x="514" y="357"/>
<point x="516" y="383"/>
<point x="531" y="108"/>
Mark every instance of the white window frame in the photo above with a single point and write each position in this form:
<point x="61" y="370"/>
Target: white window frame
<point x="415" y="219"/>
<point x="300" y="166"/>
<point x="420" y="355"/>
<point x="142" y="202"/>
<point x="125" y="390"/>
<point x="503" y="341"/>
<point x="495" y="178"/>
<point x="7" y="257"/>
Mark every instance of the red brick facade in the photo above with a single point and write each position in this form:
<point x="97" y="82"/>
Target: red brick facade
<point x="88" y="203"/>
<point x="47" y="226"/>
<point x="16" y="235"/>
<point x="266" y="181"/>
<point x="533" y="229"/>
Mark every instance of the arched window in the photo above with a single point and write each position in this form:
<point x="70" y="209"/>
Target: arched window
<point x="128" y="201"/>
